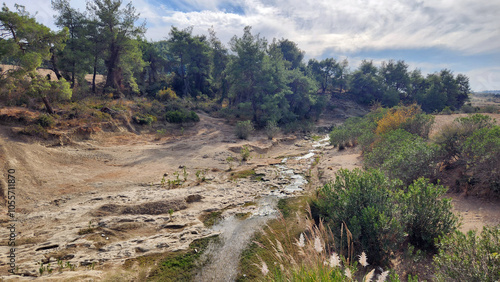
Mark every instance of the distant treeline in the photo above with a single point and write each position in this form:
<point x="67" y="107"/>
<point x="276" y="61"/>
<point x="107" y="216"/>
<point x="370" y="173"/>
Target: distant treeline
<point x="264" y="81"/>
<point x="487" y="92"/>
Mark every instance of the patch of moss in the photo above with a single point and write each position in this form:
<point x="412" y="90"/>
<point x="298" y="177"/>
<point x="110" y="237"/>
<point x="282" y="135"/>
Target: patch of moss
<point x="316" y="161"/>
<point x="181" y="266"/>
<point x="316" y="138"/>
<point x="84" y="231"/>
<point x="243" y="215"/>
<point x="243" y="174"/>
<point x="210" y="219"/>
<point x="251" y="203"/>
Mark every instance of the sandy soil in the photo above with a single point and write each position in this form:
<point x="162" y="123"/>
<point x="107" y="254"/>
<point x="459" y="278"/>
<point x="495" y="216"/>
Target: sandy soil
<point x="61" y="191"/>
<point x="111" y="183"/>
<point x="475" y="212"/>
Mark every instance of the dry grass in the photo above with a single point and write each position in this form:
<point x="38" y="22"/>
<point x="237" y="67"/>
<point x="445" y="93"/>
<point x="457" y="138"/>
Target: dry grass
<point x="442" y="121"/>
<point x="311" y="255"/>
<point x="42" y="72"/>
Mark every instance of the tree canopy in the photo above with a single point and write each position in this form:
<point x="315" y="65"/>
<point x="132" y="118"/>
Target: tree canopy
<point x="258" y="80"/>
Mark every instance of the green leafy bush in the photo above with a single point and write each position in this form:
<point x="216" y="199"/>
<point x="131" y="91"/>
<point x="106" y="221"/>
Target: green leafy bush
<point x="468" y="109"/>
<point x="166" y="94"/>
<point x="420" y="124"/>
<point x="492" y="109"/>
<point x="144" y="119"/>
<point x="244" y="129"/>
<point x="45" y="120"/>
<point x="482" y="154"/>
<point x="452" y="138"/>
<point x="378" y="212"/>
<point x="272" y="129"/>
<point x="339" y="137"/>
<point x="180" y="116"/>
<point x="476" y="121"/>
<point x="427" y="215"/>
<point x="402" y="155"/>
<point x="348" y="133"/>
<point x="447" y="111"/>
<point x="357" y="130"/>
<point x="35" y="130"/>
<point x="367" y="202"/>
<point x="245" y="153"/>
<point x="468" y="257"/>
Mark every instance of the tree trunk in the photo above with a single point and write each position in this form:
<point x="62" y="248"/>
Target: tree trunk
<point x="185" y="88"/>
<point x="47" y="105"/>
<point x="73" y="75"/>
<point x="111" y="79"/>
<point x="95" y="73"/>
<point x="53" y="62"/>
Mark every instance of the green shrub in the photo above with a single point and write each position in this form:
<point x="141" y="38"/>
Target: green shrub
<point x="245" y="154"/>
<point x="45" y="120"/>
<point x="379" y="213"/>
<point x="367" y="203"/>
<point x="413" y="160"/>
<point x="35" y="130"/>
<point x="244" y="129"/>
<point x="175" y="116"/>
<point x="468" y="257"/>
<point x="492" y="109"/>
<point x="144" y="119"/>
<point x="348" y="133"/>
<point x="475" y="121"/>
<point x="447" y="111"/>
<point x="388" y="143"/>
<point x="468" y="109"/>
<point x="166" y="94"/>
<point x="482" y="154"/>
<point x="420" y="124"/>
<point x="366" y="140"/>
<point x="402" y="155"/>
<point x="339" y="137"/>
<point x="272" y="129"/>
<point x="302" y="126"/>
<point x="452" y="137"/>
<point x="427" y="215"/>
<point x="180" y="116"/>
<point x="356" y="130"/>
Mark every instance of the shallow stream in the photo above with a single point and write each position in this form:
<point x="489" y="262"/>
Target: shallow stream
<point x="223" y="255"/>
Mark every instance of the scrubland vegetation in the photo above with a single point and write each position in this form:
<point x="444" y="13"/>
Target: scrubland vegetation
<point x="362" y="219"/>
<point x="394" y="212"/>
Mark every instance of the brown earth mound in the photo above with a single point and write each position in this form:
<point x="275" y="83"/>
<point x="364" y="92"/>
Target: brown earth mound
<point x="152" y="208"/>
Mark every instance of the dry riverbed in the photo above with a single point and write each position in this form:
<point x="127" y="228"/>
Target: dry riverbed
<point x="97" y="202"/>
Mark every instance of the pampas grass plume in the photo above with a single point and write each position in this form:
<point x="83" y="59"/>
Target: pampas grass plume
<point x="362" y="259"/>
<point x="317" y="244"/>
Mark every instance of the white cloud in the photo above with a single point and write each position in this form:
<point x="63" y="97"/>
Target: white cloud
<point x="468" y="26"/>
<point x="484" y="78"/>
<point x="331" y="28"/>
<point x="42" y="9"/>
<point x="349" y="26"/>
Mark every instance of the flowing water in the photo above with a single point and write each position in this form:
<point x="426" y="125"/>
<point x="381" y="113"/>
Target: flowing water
<point x="235" y="235"/>
<point x="223" y="255"/>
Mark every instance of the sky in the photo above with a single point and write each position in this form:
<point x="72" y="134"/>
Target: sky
<point x="460" y="35"/>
